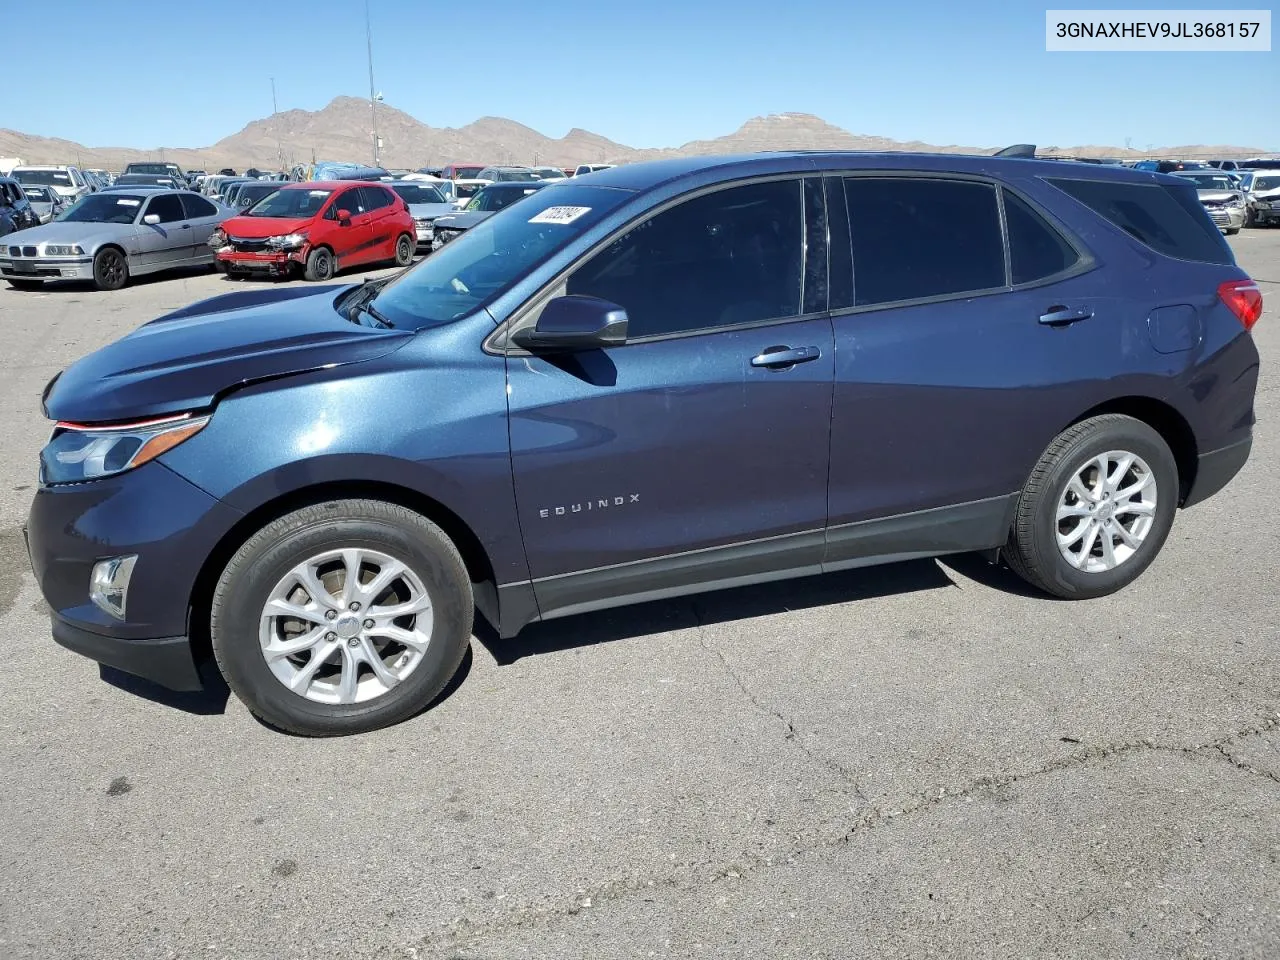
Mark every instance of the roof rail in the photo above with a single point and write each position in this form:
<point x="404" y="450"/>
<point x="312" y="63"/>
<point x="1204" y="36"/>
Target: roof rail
<point x="1024" y="150"/>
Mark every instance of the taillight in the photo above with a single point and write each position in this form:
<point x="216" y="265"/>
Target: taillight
<point x="1245" y="300"/>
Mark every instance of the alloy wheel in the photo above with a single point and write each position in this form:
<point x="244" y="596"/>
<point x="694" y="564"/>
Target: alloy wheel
<point x="1106" y="511"/>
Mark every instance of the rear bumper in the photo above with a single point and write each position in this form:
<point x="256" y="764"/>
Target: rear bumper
<point x="167" y="661"/>
<point x="1216" y="469"/>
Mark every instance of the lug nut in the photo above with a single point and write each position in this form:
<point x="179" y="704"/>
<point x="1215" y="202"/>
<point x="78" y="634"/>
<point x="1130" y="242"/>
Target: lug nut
<point x="331" y="636"/>
<point x="353" y="642"/>
<point x="331" y="614"/>
<point x="355" y="605"/>
<point x="368" y="624"/>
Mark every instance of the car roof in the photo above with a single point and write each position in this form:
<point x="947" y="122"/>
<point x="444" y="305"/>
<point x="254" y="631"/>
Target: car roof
<point x="331" y="184"/>
<point x="642" y="176"/>
<point x="147" y="188"/>
<point x="515" y="184"/>
<point x="44" y="166"/>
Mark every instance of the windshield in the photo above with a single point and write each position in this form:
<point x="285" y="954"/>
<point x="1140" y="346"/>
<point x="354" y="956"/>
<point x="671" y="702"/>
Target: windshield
<point x="466" y="173"/>
<point x="1266" y="183"/>
<point x="513" y="176"/>
<point x="53" y="178"/>
<point x="467" y="273"/>
<point x="253" y="193"/>
<point x="290" y="204"/>
<point x="1209" y="182"/>
<point x="490" y="199"/>
<point x="149" y="168"/>
<point x="549" y="173"/>
<point x="105" y="208"/>
<point x="38" y="194"/>
<point x="418" y="192"/>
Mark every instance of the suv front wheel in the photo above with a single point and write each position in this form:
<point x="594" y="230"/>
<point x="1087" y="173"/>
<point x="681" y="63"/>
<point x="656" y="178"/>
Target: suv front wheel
<point x="1096" y="509"/>
<point x="342" y="617"/>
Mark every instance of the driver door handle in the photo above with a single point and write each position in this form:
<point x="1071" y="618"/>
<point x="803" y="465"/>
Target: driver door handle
<point x="776" y="358"/>
<point x="1058" y="316"/>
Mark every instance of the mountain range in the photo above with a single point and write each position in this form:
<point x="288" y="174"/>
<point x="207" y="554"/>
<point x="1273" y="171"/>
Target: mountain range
<point x="343" y="131"/>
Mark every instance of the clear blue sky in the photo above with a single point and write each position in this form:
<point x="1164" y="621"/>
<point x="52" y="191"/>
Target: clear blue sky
<point x="652" y="73"/>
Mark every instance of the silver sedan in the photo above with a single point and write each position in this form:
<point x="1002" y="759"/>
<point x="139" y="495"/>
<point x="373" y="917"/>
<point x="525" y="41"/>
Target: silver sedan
<point x="108" y="237"/>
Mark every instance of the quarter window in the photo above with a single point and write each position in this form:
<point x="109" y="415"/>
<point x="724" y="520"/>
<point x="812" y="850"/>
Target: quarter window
<point x="1036" y="250"/>
<point x="915" y="237"/>
<point x="730" y="257"/>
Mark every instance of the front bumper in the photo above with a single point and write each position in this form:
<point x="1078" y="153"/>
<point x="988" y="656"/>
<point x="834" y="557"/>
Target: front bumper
<point x="426" y="233"/>
<point x="170" y="524"/>
<point x="274" y="262"/>
<point x="1225" y="217"/>
<point x="46" y="268"/>
<point x="1268" y="214"/>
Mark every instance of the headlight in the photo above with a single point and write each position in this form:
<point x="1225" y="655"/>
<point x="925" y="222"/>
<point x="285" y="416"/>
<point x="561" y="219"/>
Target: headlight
<point x="217" y="239"/>
<point x="77" y="452"/>
<point x="290" y="241"/>
<point x="1235" y="202"/>
<point x="62" y="250"/>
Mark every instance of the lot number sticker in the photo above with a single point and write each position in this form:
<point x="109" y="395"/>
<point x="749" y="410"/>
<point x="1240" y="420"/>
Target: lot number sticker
<point x="559" y="215"/>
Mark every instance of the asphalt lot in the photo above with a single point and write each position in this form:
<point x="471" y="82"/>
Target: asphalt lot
<point x="921" y="760"/>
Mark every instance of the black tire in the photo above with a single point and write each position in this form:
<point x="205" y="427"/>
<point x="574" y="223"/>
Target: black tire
<point x="405" y="246"/>
<point x="268" y="556"/>
<point x="30" y="285"/>
<point x="110" y="269"/>
<point x="1032" y="551"/>
<point x="320" y="265"/>
<point x="1232" y="231"/>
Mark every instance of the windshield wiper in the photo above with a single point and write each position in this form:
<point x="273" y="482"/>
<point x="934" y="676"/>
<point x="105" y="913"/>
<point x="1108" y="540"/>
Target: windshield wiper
<point x="377" y="314"/>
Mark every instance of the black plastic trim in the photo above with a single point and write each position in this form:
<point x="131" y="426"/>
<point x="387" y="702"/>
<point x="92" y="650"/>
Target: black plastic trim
<point x="167" y="661"/>
<point x="959" y="528"/>
<point x="1215" y="469"/>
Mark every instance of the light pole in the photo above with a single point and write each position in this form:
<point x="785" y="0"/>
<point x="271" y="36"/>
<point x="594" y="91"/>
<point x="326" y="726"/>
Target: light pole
<point x="275" y="122"/>
<point x="373" y="98"/>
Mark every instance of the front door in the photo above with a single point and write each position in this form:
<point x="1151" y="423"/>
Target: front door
<point x="696" y="453"/>
<point x="351" y="238"/>
<point x="168" y="242"/>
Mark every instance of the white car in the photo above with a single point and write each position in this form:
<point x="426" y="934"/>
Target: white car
<point x="464" y="190"/>
<point x="68" y="181"/>
<point x="585" y="168"/>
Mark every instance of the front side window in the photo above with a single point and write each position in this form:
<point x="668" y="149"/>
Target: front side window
<point x="915" y="238"/>
<point x="1036" y="250"/>
<point x="730" y="257"/>
<point x="168" y="207"/>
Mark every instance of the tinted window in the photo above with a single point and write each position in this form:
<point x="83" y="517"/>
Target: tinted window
<point x="1169" y="219"/>
<point x="167" y="207"/>
<point x="198" y="206"/>
<point x="1036" y="250"/>
<point x="419" y="193"/>
<point x="375" y="198"/>
<point x="914" y="237"/>
<point x="351" y="201"/>
<point x="730" y="257"/>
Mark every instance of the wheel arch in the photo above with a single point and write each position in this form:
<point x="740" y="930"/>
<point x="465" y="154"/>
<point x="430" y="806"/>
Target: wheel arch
<point x="1166" y="421"/>
<point x="474" y="556"/>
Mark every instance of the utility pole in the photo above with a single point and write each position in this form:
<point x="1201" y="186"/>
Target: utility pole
<point x="373" y="102"/>
<point x="275" y="122"/>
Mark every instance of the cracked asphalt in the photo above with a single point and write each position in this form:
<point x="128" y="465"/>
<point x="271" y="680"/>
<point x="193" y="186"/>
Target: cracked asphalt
<point x="922" y="760"/>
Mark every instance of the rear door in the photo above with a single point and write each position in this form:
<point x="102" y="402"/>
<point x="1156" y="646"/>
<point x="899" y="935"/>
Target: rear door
<point x="949" y="382"/>
<point x="203" y="217"/>
<point x="168" y="242"/>
<point x="696" y="453"/>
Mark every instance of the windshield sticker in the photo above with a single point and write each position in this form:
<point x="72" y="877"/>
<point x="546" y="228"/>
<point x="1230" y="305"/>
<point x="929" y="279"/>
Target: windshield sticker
<point x="559" y="215"/>
<point x="317" y="193"/>
<point x="126" y="202"/>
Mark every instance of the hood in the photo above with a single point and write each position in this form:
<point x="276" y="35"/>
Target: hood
<point x="429" y="211"/>
<point x="85" y="234"/>
<point x="186" y="359"/>
<point x="259" y="228"/>
<point x="465" y="220"/>
<point x="1217" y="196"/>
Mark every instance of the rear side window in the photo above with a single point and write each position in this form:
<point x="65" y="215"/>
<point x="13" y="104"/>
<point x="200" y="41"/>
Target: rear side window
<point x="1036" y="250"/>
<point x="197" y="206"/>
<point x="915" y="237"/>
<point x="1167" y="218"/>
<point x="376" y="198"/>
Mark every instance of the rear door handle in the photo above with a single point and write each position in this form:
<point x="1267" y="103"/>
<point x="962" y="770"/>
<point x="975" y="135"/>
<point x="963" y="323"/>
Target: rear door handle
<point x="782" y="357"/>
<point x="1059" y="316"/>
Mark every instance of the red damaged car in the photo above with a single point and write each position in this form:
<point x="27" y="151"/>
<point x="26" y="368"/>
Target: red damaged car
<point x="317" y="228"/>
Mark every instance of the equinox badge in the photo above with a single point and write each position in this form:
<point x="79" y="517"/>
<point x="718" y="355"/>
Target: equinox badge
<point x="587" y="506"/>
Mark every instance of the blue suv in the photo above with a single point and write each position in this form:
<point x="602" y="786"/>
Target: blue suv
<point x="655" y="380"/>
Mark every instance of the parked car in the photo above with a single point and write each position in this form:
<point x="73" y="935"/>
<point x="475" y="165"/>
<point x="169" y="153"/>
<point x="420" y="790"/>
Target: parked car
<point x="548" y="173"/>
<point x="45" y="202"/>
<point x="584" y="168"/>
<point x="461" y="171"/>
<point x="1262" y="190"/>
<point x="566" y="409"/>
<point x="103" y="175"/>
<point x="464" y="190"/>
<point x="1169" y="166"/>
<point x="507" y="175"/>
<point x="16" y="210"/>
<point x="317" y="228"/>
<point x="246" y="194"/>
<point x="111" y="236"/>
<point x="1221" y="196"/>
<point x="227" y="172"/>
<point x="426" y="204"/>
<point x="490" y="199"/>
<point x="159" y="169"/>
<point x="1224" y="164"/>
<point x="220" y="189"/>
<point x="151" y="180"/>
<point x="68" y="181"/>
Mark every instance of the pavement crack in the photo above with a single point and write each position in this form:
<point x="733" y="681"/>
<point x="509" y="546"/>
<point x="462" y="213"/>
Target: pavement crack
<point x="792" y="735"/>
<point x="1243" y="765"/>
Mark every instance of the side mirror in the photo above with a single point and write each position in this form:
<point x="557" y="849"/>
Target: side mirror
<point x="151" y="219"/>
<point x="344" y="218"/>
<point x="575" y="323"/>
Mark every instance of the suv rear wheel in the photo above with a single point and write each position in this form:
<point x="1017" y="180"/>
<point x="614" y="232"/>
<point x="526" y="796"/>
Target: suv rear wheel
<point x="1096" y="509"/>
<point x="342" y="617"/>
